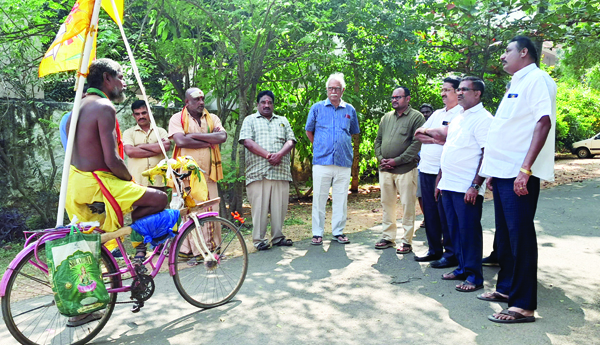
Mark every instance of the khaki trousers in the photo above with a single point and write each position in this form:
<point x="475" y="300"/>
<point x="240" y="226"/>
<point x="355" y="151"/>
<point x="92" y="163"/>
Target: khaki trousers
<point x="268" y="196"/>
<point x="406" y="186"/>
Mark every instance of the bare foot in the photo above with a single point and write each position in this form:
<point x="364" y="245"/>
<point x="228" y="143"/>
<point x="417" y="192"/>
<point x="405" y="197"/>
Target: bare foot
<point x="493" y="296"/>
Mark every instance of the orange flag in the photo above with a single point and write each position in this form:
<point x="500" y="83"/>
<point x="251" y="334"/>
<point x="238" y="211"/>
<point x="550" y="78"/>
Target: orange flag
<point x="66" y="50"/>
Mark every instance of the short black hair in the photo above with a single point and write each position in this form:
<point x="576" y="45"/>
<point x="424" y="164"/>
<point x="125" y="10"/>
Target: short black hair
<point x="426" y="105"/>
<point x="478" y="84"/>
<point x="526" y="42"/>
<point x="455" y="81"/>
<point x="138" y="104"/>
<point x="95" y="76"/>
<point x="265" y="93"/>
<point x="406" y="90"/>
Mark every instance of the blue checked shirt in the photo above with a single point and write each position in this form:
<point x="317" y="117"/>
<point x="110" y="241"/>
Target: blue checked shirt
<point x="333" y="129"/>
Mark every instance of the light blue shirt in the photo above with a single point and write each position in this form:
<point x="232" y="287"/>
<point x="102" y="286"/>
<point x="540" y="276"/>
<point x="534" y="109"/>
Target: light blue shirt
<point x="63" y="129"/>
<point x="333" y="129"/>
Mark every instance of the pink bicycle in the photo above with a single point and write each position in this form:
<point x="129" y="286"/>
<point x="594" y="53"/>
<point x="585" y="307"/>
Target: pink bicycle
<point x="205" y="280"/>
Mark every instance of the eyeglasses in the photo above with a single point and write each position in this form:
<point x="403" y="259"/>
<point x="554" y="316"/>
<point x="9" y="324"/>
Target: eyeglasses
<point x="330" y="88"/>
<point x="393" y="98"/>
<point x="447" y="90"/>
<point x="465" y="89"/>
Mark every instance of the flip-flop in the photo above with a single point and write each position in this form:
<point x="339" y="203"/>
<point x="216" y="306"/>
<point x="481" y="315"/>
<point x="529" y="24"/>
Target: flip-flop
<point x="318" y="242"/>
<point x="518" y="317"/>
<point x="340" y="239"/>
<point x="466" y="283"/>
<point x="494" y="297"/>
<point x="97" y="315"/>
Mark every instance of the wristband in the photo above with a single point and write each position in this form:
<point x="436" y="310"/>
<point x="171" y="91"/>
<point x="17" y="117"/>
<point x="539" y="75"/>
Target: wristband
<point x="524" y="171"/>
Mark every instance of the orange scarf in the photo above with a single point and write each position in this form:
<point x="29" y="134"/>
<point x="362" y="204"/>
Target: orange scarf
<point x="216" y="167"/>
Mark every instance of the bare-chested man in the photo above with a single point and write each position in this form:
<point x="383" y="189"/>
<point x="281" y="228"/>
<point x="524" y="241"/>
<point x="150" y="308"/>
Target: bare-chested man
<point x="96" y="160"/>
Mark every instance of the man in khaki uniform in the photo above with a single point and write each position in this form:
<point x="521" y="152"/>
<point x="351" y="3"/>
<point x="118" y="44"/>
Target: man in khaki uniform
<point x="141" y="145"/>
<point x="143" y="151"/>
<point x="198" y="133"/>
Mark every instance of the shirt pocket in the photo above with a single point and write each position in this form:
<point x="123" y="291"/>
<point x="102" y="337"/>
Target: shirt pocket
<point x="279" y="134"/>
<point x="403" y="130"/>
<point x="508" y="106"/>
<point x="343" y="122"/>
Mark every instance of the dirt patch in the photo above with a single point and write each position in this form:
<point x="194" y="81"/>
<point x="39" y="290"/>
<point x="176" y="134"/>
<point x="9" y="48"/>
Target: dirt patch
<point x="364" y="207"/>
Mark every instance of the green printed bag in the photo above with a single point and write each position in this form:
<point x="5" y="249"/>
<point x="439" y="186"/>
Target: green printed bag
<point x="74" y="269"/>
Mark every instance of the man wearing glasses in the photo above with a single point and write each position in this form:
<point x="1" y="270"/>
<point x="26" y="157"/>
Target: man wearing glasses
<point x="330" y="126"/>
<point x="460" y="184"/>
<point x="397" y="151"/>
<point x="441" y="253"/>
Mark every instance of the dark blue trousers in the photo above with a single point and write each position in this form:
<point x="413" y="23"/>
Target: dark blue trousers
<point x="517" y="242"/>
<point x="435" y="218"/>
<point x="464" y="222"/>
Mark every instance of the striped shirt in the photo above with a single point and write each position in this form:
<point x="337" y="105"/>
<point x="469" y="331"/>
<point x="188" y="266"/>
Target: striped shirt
<point x="333" y="129"/>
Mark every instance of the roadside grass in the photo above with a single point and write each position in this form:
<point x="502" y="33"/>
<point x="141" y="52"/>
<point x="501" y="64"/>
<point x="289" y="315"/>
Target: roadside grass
<point x="8" y="253"/>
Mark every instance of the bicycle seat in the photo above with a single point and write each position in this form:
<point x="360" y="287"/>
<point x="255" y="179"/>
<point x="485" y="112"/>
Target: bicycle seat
<point x="97" y="207"/>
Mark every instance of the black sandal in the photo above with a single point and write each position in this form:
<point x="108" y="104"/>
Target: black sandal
<point x="140" y="256"/>
<point x="284" y="242"/>
<point x="262" y="246"/>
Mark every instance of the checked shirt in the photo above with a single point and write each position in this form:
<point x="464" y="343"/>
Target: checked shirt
<point x="270" y="135"/>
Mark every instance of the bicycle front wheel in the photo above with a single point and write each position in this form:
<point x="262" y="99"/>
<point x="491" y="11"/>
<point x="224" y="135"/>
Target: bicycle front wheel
<point x="209" y="283"/>
<point x="30" y="313"/>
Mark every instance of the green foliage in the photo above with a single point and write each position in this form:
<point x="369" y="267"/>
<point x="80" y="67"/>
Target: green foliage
<point x="578" y="114"/>
<point x="234" y="48"/>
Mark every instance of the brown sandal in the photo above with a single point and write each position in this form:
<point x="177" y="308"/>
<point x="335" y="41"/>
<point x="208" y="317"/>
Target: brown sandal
<point x="405" y="249"/>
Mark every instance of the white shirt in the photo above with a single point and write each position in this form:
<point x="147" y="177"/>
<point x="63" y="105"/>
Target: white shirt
<point x="431" y="153"/>
<point x="462" y="151"/>
<point x="531" y="96"/>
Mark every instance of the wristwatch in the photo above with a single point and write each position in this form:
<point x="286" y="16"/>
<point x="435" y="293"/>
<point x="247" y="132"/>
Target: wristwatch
<point x="476" y="186"/>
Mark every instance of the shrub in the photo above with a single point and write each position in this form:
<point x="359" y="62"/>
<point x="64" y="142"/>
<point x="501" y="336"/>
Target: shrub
<point x="12" y="225"/>
<point x="578" y="114"/>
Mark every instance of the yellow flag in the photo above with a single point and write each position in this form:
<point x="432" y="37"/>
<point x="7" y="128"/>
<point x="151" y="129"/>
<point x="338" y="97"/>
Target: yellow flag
<point x="107" y="6"/>
<point x="65" y="52"/>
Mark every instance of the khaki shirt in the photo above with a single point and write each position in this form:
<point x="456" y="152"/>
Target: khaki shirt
<point x="135" y="136"/>
<point x="201" y="156"/>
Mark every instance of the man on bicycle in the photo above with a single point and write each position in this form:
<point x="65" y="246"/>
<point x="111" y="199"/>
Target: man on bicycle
<point x="98" y="173"/>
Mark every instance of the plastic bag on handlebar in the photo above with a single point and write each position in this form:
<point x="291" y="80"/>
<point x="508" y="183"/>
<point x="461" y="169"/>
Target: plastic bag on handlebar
<point x="157" y="228"/>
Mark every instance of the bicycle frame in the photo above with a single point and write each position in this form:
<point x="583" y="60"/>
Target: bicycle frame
<point x="37" y="238"/>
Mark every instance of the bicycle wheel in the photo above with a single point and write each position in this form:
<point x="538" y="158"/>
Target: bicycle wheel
<point x="30" y="313"/>
<point x="209" y="283"/>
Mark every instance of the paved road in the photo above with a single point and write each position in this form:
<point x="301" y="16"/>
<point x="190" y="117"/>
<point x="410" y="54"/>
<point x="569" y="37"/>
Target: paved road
<point x="354" y="294"/>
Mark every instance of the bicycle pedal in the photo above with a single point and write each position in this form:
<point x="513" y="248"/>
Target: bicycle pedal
<point x="137" y="306"/>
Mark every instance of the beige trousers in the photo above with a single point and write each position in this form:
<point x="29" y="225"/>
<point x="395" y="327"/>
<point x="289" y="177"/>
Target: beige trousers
<point x="268" y="196"/>
<point x="406" y="186"/>
<point x="211" y="233"/>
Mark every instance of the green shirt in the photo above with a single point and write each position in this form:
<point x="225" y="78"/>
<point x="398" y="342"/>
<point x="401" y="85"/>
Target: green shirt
<point x="271" y="135"/>
<point x="396" y="139"/>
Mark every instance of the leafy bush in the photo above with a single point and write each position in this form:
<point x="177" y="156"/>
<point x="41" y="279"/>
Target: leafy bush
<point x="578" y="114"/>
<point x="12" y="225"/>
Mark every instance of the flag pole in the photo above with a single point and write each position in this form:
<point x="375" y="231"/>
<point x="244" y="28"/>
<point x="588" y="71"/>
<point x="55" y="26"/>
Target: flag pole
<point x="83" y="69"/>
<point x="136" y="72"/>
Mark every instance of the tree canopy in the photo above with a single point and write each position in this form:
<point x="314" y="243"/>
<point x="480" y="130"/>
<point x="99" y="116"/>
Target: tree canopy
<point x="234" y="48"/>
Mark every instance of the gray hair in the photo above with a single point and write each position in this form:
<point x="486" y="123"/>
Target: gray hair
<point x="336" y="76"/>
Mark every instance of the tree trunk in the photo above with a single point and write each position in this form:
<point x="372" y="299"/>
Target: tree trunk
<point x="355" y="161"/>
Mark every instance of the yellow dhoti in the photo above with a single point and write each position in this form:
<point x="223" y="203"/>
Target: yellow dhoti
<point x="84" y="190"/>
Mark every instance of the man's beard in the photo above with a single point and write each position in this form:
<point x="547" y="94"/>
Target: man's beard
<point x="117" y="96"/>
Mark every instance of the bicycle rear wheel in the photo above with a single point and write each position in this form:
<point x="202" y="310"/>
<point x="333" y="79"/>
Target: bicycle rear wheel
<point x="30" y="313"/>
<point x="207" y="283"/>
